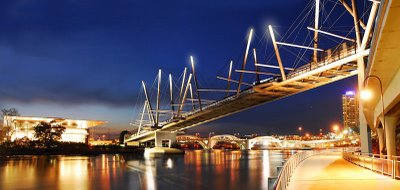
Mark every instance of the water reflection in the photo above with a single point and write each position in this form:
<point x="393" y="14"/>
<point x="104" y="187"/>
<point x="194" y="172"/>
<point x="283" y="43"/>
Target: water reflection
<point x="199" y="169"/>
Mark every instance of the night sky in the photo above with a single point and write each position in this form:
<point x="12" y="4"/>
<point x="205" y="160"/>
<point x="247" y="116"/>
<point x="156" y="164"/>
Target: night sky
<point x="86" y="59"/>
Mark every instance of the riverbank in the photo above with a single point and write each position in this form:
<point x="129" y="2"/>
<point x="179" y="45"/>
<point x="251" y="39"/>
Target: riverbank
<point x="10" y="149"/>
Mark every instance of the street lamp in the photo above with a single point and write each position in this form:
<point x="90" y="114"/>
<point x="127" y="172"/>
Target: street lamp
<point x="300" y="128"/>
<point x="335" y="128"/>
<point x="366" y="95"/>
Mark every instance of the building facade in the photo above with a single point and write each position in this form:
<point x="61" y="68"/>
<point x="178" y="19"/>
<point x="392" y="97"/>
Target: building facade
<point x="350" y="110"/>
<point x="76" y="130"/>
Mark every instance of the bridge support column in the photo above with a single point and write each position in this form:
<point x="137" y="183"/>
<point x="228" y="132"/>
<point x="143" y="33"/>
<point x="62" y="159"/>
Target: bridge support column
<point x="246" y="144"/>
<point x="379" y="131"/>
<point x="390" y="134"/>
<point x="365" y="132"/>
<point x="210" y="143"/>
<point x="165" y="138"/>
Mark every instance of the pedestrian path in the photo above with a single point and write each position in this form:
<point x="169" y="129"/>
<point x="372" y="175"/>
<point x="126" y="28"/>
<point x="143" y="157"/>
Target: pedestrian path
<point x="331" y="171"/>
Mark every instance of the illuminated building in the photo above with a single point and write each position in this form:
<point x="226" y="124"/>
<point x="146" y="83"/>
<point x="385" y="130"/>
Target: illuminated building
<point x="76" y="130"/>
<point x="350" y="110"/>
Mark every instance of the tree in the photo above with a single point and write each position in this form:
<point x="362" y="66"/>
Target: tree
<point x="8" y="120"/>
<point x="48" y="133"/>
<point x="122" y="136"/>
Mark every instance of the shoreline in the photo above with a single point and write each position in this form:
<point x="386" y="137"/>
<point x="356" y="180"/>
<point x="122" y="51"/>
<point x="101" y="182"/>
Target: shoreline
<point x="69" y="150"/>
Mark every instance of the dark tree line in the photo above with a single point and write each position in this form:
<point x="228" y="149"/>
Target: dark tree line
<point x="48" y="133"/>
<point x="7" y="130"/>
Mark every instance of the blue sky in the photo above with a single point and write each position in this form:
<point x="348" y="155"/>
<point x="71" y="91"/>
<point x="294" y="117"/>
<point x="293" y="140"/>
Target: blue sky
<point x="85" y="59"/>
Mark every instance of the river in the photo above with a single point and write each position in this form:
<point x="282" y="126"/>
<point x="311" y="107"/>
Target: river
<point x="197" y="169"/>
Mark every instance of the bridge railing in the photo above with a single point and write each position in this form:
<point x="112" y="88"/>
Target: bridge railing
<point x="290" y="165"/>
<point x="326" y="57"/>
<point x="384" y="164"/>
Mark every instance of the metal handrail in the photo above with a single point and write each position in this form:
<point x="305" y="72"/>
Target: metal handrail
<point x="290" y="165"/>
<point x="384" y="164"/>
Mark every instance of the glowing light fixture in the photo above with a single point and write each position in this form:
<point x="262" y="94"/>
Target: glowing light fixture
<point x="348" y="93"/>
<point x="366" y="94"/>
<point x="335" y="128"/>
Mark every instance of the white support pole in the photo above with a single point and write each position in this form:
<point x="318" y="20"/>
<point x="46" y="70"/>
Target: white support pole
<point x="164" y="111"/>
<point x="245" y="59"/>
<point x="273" y="66"/>
<point x="141" y="117"/>
<point x="350" y="10"/>
<point x="195" y="82"/>
<point x="215" y="90"/>
<point x="356" y="22"/>
<point x="148" y="101"/>
<point x="255" y="72"/>
<point x="255" y="64"/>
<point x="150" y="115"/>
<point x="183" y="84"/>
<point x="316" y="31"/>
<point x="375" y="1"/>
<point x="158" y="97"/>
<point x="191" y="95"/>
<point x="278" y="56"/>
<point x="171" y="94"/>
<point x="369" y="25"/>
<point x="331" y="34"/>
<point x="184" y="94"/>
<point x="298" y="46"/>
<point x="229" y="78"/>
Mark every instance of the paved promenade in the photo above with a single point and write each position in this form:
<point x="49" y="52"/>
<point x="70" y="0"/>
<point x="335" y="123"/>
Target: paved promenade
<point x="332" y="172"/>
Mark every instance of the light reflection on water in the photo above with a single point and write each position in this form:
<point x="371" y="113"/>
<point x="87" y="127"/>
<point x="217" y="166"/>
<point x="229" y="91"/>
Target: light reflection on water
<point x="198" y="169"/>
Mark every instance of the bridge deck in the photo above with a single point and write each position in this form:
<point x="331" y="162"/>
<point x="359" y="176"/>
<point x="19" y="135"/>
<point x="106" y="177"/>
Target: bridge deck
<point x="338" y="65"/>
<point x="333" y="172"/>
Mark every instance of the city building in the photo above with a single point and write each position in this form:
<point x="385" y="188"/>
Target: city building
<point x="350" y="111"/>
<point x="18" y="127"/>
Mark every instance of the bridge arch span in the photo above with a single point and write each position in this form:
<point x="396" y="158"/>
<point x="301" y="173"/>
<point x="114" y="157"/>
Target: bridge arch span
<point x="191" y="138"/>
<point x="224" y="137"/>
<point x="265" y="142"/>
<point x="227" y="138"/>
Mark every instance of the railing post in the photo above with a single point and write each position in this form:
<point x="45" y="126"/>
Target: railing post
<point x="396" y="167"/>
<point x="363" y="161"/>
<point x="393" y="171"/>
<point x="372" y="163"/>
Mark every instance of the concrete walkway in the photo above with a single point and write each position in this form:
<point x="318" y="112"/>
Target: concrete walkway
<point x="332" y="172"/>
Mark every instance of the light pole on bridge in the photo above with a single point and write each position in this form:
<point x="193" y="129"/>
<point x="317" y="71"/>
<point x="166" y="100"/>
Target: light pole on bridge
<point x="300" y="129"/>
<point x="366" y="95"/>
<point x="209" y="134"/>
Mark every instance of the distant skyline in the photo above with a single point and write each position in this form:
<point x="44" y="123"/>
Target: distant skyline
<point x="85" y="59"/>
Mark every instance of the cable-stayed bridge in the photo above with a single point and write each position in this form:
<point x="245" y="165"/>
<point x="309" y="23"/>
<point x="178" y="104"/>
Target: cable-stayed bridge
<point x="325" y="65"/>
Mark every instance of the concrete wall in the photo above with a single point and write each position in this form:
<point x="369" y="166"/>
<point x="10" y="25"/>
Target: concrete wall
<point x="161" y="135"/>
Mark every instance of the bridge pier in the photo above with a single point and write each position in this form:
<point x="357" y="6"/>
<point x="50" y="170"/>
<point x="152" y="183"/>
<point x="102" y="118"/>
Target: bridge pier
<point x="165" y="139"/>
<point x="365" y="131"/>
<point x="390" y="134"/>
<point x="379" y="131"/>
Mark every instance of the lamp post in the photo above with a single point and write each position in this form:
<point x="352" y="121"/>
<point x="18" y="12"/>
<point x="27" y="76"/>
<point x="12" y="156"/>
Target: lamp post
<point x="209" y="134"/>
<point x="335" y="128"/>
<point x="365" y="95"/>
<point x="300" y="129"/>
<point x="320" y="133"/>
